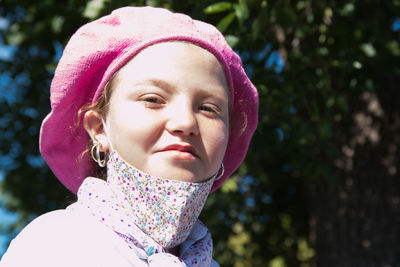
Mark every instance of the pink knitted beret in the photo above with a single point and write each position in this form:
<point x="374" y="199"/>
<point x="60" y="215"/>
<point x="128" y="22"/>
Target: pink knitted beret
<point x="99" y="49"/>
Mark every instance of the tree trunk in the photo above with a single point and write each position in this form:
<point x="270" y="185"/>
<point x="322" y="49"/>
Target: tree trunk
<point x="355" y="219"/>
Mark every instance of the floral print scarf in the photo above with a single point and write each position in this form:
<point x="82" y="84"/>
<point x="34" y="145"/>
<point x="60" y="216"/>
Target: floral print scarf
<point x="151" y="214"/>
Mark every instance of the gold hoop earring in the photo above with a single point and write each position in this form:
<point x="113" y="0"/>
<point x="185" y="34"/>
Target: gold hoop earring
<point x="96" y="155"/>
<point x="221" y="172"/>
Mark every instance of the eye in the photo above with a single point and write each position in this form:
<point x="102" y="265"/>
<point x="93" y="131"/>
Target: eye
<point x="210" y="110"/>
<point x="207" y="108"/>
<point x="152" y="101"/>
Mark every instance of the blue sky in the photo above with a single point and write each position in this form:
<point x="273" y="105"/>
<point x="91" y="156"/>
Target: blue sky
<point x="6" y="218"/>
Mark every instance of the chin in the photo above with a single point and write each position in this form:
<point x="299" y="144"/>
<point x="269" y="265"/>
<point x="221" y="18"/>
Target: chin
<point x="178" y="174"/>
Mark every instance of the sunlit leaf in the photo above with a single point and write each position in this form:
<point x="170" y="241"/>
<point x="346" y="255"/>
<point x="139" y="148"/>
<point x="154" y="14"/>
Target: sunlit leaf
<point x="93" y="8"/>
<point x="57" y="23"/>
<point x="218" y="7"/>
<point x="347" y="9"/>
<point x="232" y="40"/>
<point x="225" y="22"/>
<point x="242" y="12"/>
<point x="229" y="186"/>
<point x="368" y="49"/>
<point x="394" y="47"/>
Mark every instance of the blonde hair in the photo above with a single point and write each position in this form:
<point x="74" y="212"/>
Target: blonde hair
<point x="101" y="105"/>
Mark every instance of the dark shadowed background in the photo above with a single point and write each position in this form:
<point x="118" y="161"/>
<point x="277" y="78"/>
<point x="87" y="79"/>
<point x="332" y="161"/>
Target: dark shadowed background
<point x="320" y="185"/>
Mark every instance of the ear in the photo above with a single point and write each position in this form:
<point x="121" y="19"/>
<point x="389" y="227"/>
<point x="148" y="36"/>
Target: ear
<point x="94" y="127"/>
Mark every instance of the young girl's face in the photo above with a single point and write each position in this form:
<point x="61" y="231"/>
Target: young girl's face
<point x="169" y="112"/>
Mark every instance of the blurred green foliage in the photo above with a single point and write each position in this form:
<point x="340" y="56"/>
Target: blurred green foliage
<point x="327" y="74"/>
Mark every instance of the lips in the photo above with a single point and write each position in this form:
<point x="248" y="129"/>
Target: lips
<point x="181" y="148"/>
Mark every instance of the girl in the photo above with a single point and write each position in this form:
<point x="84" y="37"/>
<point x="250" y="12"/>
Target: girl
<point x="162" y="105"/>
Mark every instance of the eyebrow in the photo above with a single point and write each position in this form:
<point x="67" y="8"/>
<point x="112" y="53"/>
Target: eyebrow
<point x="156" y="82"/>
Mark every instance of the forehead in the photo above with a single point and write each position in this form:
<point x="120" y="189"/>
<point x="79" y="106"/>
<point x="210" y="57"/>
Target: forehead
<point x="173" y="50"/>
<point x="175" y="60"/>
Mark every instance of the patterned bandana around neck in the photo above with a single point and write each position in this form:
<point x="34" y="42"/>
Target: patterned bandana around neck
<point x="97" y="200"/>
<point x="164" y="209"/>
<point x="150" y="214"/>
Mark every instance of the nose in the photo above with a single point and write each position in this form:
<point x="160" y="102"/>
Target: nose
<point x="182" y="120"/>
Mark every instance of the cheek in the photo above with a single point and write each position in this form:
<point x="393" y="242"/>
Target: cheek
<point x="132" y="126"/>
<point x="218" y="141"/>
